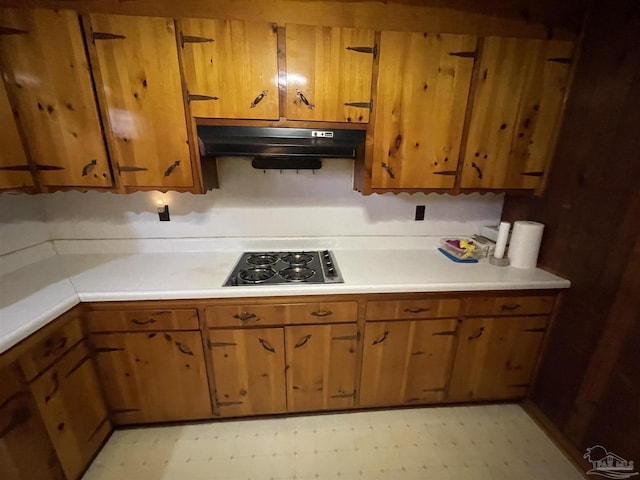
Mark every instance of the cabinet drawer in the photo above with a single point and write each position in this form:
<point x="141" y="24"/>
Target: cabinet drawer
<point x="46" y="352"/>
<point x="407" y="309"/>
<point x="527" y="305"/>
<point x="141" y="320"/>
<point x="284" y="314"/>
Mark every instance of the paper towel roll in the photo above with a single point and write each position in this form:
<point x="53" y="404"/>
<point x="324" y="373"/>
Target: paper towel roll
<point x="525" y="244"/>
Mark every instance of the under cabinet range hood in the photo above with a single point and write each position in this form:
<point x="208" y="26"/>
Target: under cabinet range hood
<point x="278" y="143"/>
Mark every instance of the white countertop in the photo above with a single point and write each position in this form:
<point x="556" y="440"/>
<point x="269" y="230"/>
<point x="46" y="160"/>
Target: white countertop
<point x="41" y="284"/>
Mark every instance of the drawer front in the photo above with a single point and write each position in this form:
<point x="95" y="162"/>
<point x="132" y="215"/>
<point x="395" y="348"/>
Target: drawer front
<point x="45" y="353"/>
<point x="408" y="309"/>
<point x="284" y="314"/>
<point x="524" y="305"/>
<point x="141" y="320"/>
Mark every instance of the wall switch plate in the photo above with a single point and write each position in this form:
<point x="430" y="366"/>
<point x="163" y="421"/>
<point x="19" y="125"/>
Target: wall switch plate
<point x="419" y="213"/>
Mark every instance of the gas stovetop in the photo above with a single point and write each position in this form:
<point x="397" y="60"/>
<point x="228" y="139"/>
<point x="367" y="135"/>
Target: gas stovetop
<point x="272" y="268"/>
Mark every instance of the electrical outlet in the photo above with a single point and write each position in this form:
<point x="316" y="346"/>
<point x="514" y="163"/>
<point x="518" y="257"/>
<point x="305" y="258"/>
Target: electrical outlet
<point x="419" y="213"/>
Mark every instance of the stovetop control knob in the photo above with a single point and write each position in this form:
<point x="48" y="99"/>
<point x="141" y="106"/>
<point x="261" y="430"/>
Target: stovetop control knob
<point x="326" y="255"/>
<point x="331" y="272"/>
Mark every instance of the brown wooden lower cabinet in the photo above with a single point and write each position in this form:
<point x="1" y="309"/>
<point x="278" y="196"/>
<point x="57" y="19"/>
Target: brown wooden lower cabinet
<point x="250" y="364"/>
<point x="321" y="366"/>
<point x="496" y="357"/>
<point x="406" y="361"/>
<point x="26" y="452"/>
<point x="153" y="376"/>
<point x="70" y="402"/>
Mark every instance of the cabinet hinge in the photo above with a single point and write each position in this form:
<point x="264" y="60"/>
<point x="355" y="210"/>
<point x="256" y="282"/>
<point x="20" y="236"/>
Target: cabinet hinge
<point x="533" y="174"/>
<point x="48" y="167"/>
<point x="368" y="105"/>
<point x="193" y="39"/>
<point x="126" y="168"/>
<point x="559" y="60"/>
<point x="344" y="395"/>
<point x="446" y="172"/>
<point x="12" y="31"/>
<point x="221" y="344"/>
<point x="372" y="50"/>
<point x="449" y="333"/>
<point x="16" y="168"/>
<point x="108" y="350"/>
<point x="463" y="54"/>
<point x="106" y="36"/>
<point x="192" y="97"/>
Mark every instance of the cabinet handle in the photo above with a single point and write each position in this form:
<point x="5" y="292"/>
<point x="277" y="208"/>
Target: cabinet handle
<point x="20" y="416"/>
<point x="373" y="50"/>
<point x="16" y="168"/>
<point x="56" y="386"/>
<point x="48" y="168"/>
<point x="510" y="307"/>
<point x="12" y="31"/>
<point x="477" y="335"/>
<point x="532" y="174"/>
<point x="133" y="168"/>
<point x="477" y="169"/>
<point x="536" y="330"/>
<point x="143" y="322"/>
<point x="61" y="343"/>
<point x="304" y="100"/>
<point x="451" y="173"/>
<point x="322" y="313"/>
<point x="388" y="169"/>
<point x="471" y="54"/>
<point x="367" y="105"/>
<point x="381" y="339"/>
<point x="344" y="395"/>
<point x="416" y="310"/>
<point x="258" y="99"/>
<point x="302" y="342"/>
<point x="566" y="61"/>
<point x="184" y="349"/>
<point x="245" y="316"/>
<point x="266" y="345"/>
<point x="88" y="167"/>
<point x="194" y="96"/>
<point x="106" y="36"/>
<point x="171" y="168"/>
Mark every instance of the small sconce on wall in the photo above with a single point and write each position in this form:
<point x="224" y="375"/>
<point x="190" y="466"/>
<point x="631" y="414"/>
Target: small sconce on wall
<point x="163" y="210"/>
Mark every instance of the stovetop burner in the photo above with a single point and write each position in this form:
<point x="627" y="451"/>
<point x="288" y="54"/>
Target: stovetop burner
<point x="270" y="268"/>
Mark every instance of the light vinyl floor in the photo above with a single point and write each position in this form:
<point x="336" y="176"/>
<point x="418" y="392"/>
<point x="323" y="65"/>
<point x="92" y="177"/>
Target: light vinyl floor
<point x="495" y="442"/>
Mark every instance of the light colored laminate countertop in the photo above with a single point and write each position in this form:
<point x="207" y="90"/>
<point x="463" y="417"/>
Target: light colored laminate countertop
<point x="42" y="282"/>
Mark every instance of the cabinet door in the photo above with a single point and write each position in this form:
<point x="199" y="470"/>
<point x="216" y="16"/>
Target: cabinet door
<point x="496" y="357"/>
<point x="516" y="112"/>
<point x="321" y="361"/>
<point x="47" y="72"/>
<point x="153" y="377"/>
<point x="25" y="450"/>
<point x="138" y="70"/>
<point x="406" y="361"/>
<point x="248" y="366"/>
<point x="71" y="405"/>
<point x="423" y="86"/>
<point x="233" y="66"/>
<point x="326" y="70"/>
<point x="14" y="167"/>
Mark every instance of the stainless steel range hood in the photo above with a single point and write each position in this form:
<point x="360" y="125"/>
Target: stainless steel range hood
<point x="280" y="143"/>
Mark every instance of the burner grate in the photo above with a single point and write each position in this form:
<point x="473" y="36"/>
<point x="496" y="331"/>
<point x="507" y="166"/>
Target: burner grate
<point x="256" y="275"/>
<point x="297" y="274"/>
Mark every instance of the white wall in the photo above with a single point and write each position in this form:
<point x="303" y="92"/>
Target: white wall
<point x="251" y="203"/>
<point x="22" y="222"/>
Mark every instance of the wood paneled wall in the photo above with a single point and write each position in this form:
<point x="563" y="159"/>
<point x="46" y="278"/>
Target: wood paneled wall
<point x="589" y="381"/>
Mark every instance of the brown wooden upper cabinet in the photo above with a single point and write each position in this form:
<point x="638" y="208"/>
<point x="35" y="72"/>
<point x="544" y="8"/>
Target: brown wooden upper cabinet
<point x="422" y="91"/>
<point x="231" y="68"/>
<point x="516" y="112"/>
<point x="139" y="87"/>
<point x="329" y="73"/>
<point x="47" y="75"/>
<point x="14" y="167"/>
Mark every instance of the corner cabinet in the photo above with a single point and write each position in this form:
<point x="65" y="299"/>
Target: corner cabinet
<point x="139" y="87"/>
<point x="422" y="90"/>
<point x="230" y="68"/>
<point x="329" y="72"/>
<point x="47" y="74"/>
<point x="516" y="112"/>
